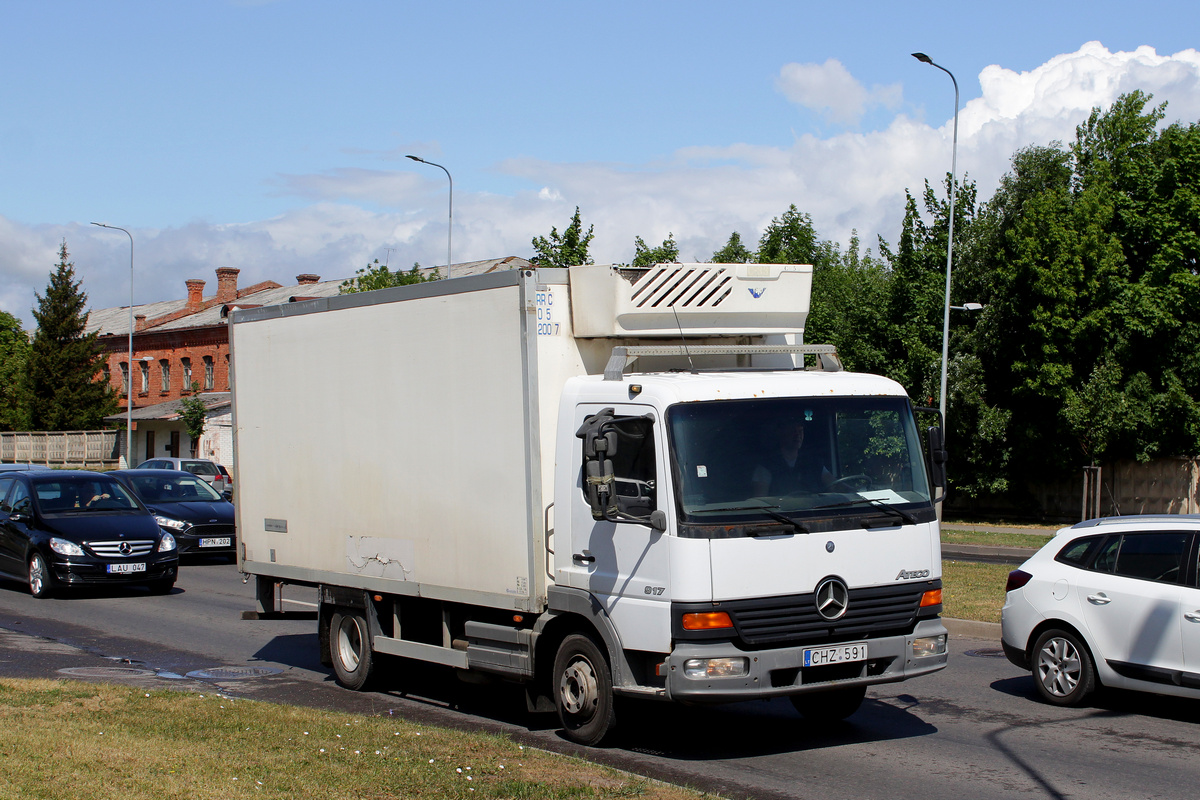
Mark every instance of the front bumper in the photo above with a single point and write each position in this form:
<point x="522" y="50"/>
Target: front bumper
<point x="780" y="671"/>
<point x="94" y="572"/>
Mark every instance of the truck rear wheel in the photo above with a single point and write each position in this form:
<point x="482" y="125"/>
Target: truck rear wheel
<point x="583" y="691"/>
<point x="831" y="706"/>
<point x="350" y="650"/>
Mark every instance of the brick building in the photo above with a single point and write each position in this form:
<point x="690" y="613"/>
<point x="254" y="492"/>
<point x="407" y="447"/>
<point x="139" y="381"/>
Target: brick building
<point x="180" y="342"/>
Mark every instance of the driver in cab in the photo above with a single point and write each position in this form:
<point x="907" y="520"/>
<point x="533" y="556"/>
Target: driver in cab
<point x="787" y="468"/>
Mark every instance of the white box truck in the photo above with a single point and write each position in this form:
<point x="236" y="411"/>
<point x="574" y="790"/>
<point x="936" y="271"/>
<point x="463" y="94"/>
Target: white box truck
<point x="595" y="481"/>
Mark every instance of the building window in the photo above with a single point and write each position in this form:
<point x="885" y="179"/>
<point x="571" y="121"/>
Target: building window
<point x="228" y="376"/>
<point x="124" y="378"/>
<point x="165" y="367"/>
<point x="187" y="374"/>
<point x="145" y="367"/>
<point x="149" y="445"/>
<point x="106" y="372"/>
<point x="208" y="372"/>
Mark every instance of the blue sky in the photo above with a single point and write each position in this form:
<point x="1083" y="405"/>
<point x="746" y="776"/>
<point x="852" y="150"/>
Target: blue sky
<point x="271" y="136"/>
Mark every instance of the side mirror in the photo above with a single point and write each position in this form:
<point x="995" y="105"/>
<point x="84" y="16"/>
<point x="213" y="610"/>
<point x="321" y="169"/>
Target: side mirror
<point x="624" y="499"/>
<point x="937" y="456"/>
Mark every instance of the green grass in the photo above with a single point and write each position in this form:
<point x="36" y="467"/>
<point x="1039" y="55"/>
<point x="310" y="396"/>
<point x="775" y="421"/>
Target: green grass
<point x="973" y="591"/>
<point x="951" y="535"/>
<point x="73" y="741"/>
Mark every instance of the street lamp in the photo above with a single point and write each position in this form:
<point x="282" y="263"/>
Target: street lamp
<point x="950" y="239"/>
<point x="450" y="229"/>
<point x="128" y="369"/>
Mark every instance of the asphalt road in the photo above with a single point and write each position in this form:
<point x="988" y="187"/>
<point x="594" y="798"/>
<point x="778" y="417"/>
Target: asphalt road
<point x="973" y="730"/>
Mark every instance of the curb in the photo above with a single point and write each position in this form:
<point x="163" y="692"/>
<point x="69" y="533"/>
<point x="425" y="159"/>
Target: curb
<point x="971" y="629"/>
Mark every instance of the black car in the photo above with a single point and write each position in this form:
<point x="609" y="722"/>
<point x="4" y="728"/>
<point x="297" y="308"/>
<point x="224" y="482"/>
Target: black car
<point x="187" y="506"/>
<point x="62" y="528"/>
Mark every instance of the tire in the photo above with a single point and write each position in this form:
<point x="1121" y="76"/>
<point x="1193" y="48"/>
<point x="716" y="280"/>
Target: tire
<point x="583" y="691"/>
<point x="1062" y="668"/>
<point x="350" y="650"/>
<point x="41" y="581"/>
<point x="830" y="706"/>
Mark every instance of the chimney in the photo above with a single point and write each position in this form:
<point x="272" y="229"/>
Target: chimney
<point x="195" y="288"/>
<point x="227" y="284"/>
<point x="139" y="321"/>
<point x="307" y="278"/>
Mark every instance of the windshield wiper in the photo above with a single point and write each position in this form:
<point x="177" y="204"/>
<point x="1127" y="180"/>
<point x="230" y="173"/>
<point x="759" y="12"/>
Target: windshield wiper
<point x="882" y="506"/>
<point x="771" y="512"/>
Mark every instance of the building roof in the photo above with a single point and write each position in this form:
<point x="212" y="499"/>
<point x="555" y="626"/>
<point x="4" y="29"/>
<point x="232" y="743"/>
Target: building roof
<point x="215" y="401"/>
<point x="174" y="314"/>
<point x="205" y="312"/>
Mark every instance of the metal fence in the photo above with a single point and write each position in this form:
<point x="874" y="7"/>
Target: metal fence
<point x="67" y="449"/>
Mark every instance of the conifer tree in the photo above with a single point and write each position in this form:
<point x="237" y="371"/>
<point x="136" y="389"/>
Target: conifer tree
<point x="65" y="392"/>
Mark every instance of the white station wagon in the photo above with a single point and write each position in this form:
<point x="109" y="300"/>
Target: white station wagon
<point x="1109" y="602"/>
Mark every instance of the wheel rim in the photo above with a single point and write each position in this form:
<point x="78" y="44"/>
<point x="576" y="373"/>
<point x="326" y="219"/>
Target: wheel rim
<point x="579" y="687"/>
<point x="37" y="575"/>
<point x="1059" y="667"/>
<point x="349" y="643"/>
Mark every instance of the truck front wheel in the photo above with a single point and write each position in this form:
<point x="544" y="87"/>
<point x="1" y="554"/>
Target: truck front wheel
<point x="350" y="649"/>
<point x="583" y="690"/>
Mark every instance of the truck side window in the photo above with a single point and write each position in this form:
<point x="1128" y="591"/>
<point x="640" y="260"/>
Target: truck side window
<point x="634" y="467"/>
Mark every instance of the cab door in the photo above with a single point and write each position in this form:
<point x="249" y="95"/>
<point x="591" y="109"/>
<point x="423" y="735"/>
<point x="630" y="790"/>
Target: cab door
<point x="624" y="565"/>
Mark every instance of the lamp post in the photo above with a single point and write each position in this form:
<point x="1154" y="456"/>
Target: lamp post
<point x="129" y="368"/>
<point x="450" y="229"/>
<point x="950" y="237"/>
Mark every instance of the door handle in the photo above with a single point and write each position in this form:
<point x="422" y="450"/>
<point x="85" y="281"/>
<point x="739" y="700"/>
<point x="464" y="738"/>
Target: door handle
<point x="583" y="558"/>
<point x="1192" y="616"/>
<point x="1099" y="599"/>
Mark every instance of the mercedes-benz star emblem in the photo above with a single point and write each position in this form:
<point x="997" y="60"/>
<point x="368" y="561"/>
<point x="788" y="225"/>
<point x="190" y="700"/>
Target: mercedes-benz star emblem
<point x="832" y="597"/>
<point x="125" y="548"/>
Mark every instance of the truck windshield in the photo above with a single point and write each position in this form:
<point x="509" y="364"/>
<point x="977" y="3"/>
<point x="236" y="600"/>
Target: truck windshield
<point x="805" y="458"/>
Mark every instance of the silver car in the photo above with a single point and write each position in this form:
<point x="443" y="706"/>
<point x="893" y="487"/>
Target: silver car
<point x="212" y="472"/>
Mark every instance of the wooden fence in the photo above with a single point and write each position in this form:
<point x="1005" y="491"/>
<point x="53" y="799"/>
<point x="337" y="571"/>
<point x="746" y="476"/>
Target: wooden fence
<point x="67" y="449"/>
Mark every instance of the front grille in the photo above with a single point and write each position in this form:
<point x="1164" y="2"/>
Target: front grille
<point x="211" y="530"/>
<point x="870" y="611"/>
<point x="791" y="620"/>
<point x="137" y="548"/>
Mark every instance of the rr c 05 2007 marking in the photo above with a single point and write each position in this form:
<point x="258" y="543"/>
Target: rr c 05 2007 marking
<point x="906" y="575"/>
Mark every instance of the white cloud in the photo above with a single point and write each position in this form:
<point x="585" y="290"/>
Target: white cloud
<point x="701" y="194"/>
<point x="831" y="90"/>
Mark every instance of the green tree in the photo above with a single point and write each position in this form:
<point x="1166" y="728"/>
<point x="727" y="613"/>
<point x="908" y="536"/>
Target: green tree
<point x="193" y="412"/>
<point x="65" y="392"/>
<point x="665" y="253"/>
<point x="1088" y="259"/>
<point x="378" y="276"/>
<point x="734" y="252"/>
<point x="789" y="239"/>
<point x="14" y="358"/>
<point x="568" y="249"/>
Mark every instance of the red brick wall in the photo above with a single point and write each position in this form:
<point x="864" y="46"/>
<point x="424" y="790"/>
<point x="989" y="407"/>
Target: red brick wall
<point x="174" y="346"/>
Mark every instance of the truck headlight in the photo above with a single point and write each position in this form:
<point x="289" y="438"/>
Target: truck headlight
<point x="929" y="646"/>
<point x="716" y="667"/>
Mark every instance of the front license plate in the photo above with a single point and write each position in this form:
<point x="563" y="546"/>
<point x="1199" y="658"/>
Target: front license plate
<point x="835" y="654"/>
<point x="220" y="541"/>
<point x="125" y="569"/>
